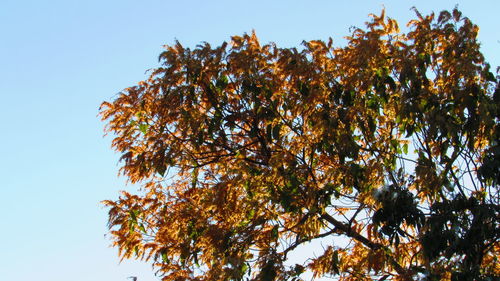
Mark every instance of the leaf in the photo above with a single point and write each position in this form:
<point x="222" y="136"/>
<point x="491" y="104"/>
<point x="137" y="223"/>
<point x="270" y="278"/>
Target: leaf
<point x="276" y="132"/>
<point x="335" y="262"/>
<point x="274" y="232"/>
<point x="143" y="128"/>
<point x="161" y="169"/>
<point x="142" y="228"/>
<point x="244" y="269"/>
<point x="457" y="15"/>
<point x="133" y="215"/>
<point x="222" y="82"/>
<point x="164" y="257"/>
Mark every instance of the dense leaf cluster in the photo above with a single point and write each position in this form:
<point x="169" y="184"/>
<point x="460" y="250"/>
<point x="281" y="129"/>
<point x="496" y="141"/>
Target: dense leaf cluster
<point x="248" y="151"/>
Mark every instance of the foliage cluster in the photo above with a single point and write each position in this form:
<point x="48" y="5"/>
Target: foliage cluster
<point x="247" y="151"/>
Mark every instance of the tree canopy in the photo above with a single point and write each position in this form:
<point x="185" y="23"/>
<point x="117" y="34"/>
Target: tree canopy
<point x="246" y="151"/>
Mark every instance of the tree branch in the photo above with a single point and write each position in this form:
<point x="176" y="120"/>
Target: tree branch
<point x="347" y="230"/>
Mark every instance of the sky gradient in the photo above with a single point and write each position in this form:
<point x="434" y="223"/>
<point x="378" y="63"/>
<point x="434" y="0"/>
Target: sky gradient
<point x="60" y="59"/>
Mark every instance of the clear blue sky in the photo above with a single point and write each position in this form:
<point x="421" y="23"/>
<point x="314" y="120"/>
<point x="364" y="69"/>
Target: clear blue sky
<point x="60" y="59"/>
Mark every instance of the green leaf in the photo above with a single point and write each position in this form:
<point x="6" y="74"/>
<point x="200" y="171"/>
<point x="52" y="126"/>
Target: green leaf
<point x="161" y="169"/>
<point x="250" y="214"/>
<point x="222" y="82"/>
<point x="194" y="177"/>
<point x="133" y="215"/>
<point x="276" y="132"/>
<point x="143" y="127"/>
<point x="335" y="262"/>
<point x="164" y="257"/>
<point x="244" y="269"/>
<point x="274" y="232"/>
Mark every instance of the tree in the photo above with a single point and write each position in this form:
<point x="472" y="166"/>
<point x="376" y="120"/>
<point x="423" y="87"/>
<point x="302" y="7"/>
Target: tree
<point x="248" y="151"/>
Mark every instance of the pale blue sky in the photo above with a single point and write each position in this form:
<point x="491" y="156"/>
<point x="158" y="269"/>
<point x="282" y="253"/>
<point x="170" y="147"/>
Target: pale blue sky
<point x="60" y="59"/>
